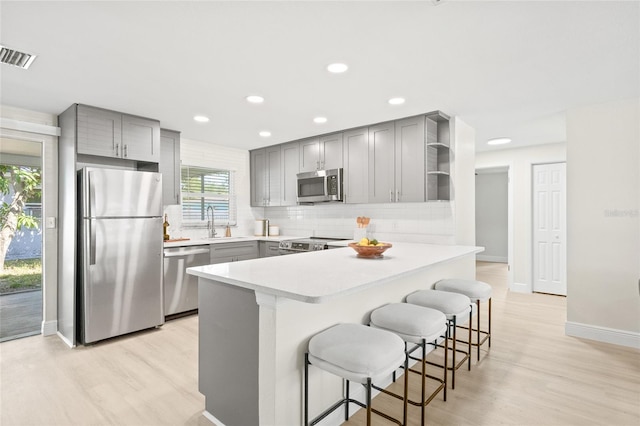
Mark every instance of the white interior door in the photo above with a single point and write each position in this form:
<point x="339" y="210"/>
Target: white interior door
<point x="549" y="229"/>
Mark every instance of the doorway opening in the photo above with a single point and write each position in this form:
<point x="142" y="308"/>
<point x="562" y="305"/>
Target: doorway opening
<point x="494" y="222"/>
<point x="20" y="238"/>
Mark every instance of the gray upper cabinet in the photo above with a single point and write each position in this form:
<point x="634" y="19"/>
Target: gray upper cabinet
<point x="396" y="161"/>
<point x="140" y="139"/>
<point x="356" y="165"/>
<point x="321" y="153"/>
<point x="330" y="149"/>
<point x="410" y="159"/>
<point x="406" y="160"/>
<point x="289" y="167"/>
<point x="265" y="176"/>
<point x="309" y="155"/>
<point x="169" y="166"/>
<point x="99" y="131"/>
<point x="112" y="134"/>
<point x="382" y="163"/>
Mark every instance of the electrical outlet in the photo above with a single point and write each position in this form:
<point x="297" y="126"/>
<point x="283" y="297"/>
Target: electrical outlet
<point x="51" y="222"/>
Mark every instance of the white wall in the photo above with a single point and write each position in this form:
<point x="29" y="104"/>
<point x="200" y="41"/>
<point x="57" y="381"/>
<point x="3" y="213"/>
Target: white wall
<point x="491" y="215"/>
<point x="520" y="161"/>
<point x="38" y="127"/>
<point x="603" y="239"/>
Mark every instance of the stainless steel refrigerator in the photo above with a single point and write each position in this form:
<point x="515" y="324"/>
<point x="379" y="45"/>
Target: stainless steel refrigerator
<point x="120" y="250"/>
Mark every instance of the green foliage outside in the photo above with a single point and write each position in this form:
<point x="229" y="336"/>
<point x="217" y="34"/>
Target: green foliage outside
<point x="24" y="183"/>
<point x="20" y="275"/>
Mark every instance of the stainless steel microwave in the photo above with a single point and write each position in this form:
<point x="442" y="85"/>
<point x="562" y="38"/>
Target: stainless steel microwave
<point x="320" y="186"/>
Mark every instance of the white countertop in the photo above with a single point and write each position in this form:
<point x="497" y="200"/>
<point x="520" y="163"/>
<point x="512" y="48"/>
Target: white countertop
<point x="219" y="240"/>
<point x="316" y="277"/>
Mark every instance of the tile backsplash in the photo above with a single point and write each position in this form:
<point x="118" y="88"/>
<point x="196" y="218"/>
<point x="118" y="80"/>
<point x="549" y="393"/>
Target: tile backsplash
<point x="412" y="222"/>
<point x="431" y="222"/>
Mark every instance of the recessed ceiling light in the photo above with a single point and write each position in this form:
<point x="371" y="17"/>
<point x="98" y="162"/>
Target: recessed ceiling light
<point x="337" y="68"/>
<point x="320" y="120"/>
<point x="265" y="134"/>
<point x="201" y="119"/>
<point x="255" y="99"/>
<point x="498" y="141"/>
<point x="396" y="101"/>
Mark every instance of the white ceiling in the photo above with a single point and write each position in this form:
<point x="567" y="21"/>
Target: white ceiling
<point x="506" y="68"/>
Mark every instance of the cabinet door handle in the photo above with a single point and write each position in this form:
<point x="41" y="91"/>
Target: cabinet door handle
<point x="391" y="196"/>
<point x="117" y="150"/>
<point x="124" y="151"/>
<point x="397" y="196"/>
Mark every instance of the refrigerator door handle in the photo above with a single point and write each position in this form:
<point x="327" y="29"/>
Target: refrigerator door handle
<point x="92" y="243"/>
<point x="91" y="196"/>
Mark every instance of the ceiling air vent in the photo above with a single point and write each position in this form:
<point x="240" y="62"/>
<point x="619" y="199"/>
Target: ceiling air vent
<point x="16" y="58"/>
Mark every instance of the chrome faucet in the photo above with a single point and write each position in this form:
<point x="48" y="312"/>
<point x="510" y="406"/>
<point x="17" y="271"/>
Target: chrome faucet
<point x="211" y="221"/>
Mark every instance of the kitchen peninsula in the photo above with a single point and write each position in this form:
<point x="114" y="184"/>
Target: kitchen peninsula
<point x="256" y="318"/>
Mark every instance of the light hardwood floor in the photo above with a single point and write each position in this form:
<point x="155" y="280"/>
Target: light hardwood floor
<point x="533" y="375"/>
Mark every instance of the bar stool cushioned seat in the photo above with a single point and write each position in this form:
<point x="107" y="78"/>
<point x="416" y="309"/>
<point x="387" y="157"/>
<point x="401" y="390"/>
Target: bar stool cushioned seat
<point x="474" y="290"/>
<point x="477" y="291"/>
<point x="448" y="303"/>
<point x="422" y="327"/>
<point x="457" y="308"/>
<point x="356" y="352"/>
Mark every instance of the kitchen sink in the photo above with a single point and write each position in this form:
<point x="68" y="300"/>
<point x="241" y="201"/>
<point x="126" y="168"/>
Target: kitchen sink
<point x="225" y="238"/>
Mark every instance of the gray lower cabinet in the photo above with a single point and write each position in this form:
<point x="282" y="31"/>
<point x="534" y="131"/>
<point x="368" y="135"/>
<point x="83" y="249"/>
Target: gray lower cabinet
<point x="106" y="133"/>
<point x="169" y="166"/>
<point x="269" y="248"/>
<point x="234" y="252"/>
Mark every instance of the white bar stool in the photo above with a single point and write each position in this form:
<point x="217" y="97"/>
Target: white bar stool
<point x="423" y="327"/>
<point x="457" y="308"/>
<point x="356" y="353"/>
<point x="477" y="291"/>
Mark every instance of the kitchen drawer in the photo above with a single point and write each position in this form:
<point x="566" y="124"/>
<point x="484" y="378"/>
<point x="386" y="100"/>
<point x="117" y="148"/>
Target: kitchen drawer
<point x="231" y="252"/>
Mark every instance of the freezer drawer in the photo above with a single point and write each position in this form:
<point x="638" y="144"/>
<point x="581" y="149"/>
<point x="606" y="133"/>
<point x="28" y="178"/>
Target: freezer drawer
<point x="180" y="288"/>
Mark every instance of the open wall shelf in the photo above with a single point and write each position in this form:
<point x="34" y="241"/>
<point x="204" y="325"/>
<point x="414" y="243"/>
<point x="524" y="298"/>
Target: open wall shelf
<point x="438" y="154"/>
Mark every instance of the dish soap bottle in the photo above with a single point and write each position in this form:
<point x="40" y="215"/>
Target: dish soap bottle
<point x="165" y="228"/>
<point x="227" y="232"/>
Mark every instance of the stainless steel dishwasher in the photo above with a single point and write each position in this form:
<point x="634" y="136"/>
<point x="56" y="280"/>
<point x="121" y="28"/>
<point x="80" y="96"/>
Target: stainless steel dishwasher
<point x="180" y="288"/>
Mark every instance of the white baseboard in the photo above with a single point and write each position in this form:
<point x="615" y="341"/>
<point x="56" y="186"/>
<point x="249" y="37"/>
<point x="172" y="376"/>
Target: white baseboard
<point x="207" y="415"/>
<point x="603" y="334"/>
<point x="49" y="328"/>
<point x="487" y="258"/>
<point x="64" y="339"/>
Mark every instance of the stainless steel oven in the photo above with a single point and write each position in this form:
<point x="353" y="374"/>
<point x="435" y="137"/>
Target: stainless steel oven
<point x="304" y="245"/>
<point x="320" y="186"/>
